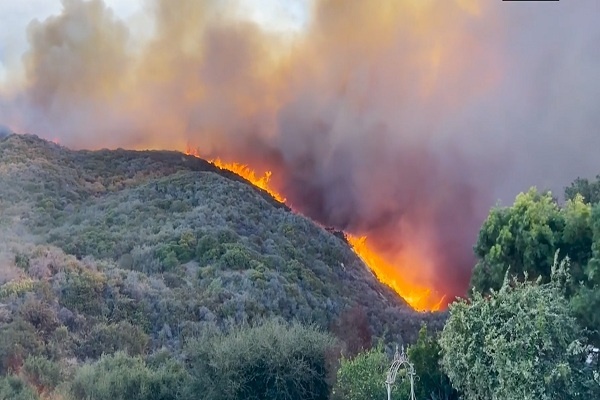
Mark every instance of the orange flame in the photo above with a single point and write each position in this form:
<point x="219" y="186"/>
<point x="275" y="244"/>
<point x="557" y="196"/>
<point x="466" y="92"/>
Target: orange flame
<point x="418" y="297"/>
<point x="244" y="171"/>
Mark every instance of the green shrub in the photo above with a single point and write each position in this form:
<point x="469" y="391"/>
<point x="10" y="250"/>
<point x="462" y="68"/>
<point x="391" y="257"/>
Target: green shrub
<point x="42" y="373"/>
<point x="18" y="340"/>
<point x="22" y="261"/>
<point x="120" y="377"/>
<point x="270" y="361"/>
<point x="236" y="258"/>
<point x="82" y="291"/>
<point x="111" y="338"/>
<point x="521" y="342"/>
<point x="15" y="388"/>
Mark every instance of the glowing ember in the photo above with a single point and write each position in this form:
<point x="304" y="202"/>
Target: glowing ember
<point x="419" y="297"/>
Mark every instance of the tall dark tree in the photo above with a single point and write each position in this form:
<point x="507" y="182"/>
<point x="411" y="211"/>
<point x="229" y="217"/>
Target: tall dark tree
<point x="589" y="190"/>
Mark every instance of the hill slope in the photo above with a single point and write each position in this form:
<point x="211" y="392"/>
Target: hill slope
<point x="104" y="250"/>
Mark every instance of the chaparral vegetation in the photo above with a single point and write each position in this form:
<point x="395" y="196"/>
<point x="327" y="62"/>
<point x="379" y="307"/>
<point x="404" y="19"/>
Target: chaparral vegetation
<point x="157" y="276"/>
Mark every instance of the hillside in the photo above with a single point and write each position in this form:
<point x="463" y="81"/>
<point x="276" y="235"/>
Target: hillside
<point x="123" y="250"/>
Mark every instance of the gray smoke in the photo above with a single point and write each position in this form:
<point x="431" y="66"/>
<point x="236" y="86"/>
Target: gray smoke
<point x="404" y="121"/>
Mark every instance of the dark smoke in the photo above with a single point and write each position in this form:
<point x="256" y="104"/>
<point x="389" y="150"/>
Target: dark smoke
<point x="404" y="121"/>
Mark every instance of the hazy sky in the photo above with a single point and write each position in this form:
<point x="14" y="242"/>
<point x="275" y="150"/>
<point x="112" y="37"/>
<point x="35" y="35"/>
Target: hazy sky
<point x="16" y="15"/>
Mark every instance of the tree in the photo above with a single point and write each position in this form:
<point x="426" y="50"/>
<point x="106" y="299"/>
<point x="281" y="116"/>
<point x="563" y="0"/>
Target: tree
<point x="362" y="377"/>
<point x="520" y="342"/>
<point x="593" y="267"/>
<point x="425" y="355"/>
<point x="586" y="301"/>
<point x="273" y="360"/>
<point x="585" y="305"/>
<point x="522" y="238"/>
<point x="589" y="190"/>
<point x="577" y="235"/>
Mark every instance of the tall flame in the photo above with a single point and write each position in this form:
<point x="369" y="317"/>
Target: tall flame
<point x="419" y="297"/>
<point x="245" y="172"/>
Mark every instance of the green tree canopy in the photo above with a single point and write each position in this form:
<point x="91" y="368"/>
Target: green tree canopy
<point x="520" y="238"/>
<point x="425" y="354"/>
<point x="520" y="342"/>
<point x="589" y="190"/>
<point x="362" y="377"/>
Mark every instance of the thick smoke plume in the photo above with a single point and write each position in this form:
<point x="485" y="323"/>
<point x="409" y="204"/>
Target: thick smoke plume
<point x="404" y="120"/>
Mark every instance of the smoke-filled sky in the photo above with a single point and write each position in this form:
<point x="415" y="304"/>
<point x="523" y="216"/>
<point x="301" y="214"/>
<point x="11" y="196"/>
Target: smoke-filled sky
<point x="402" y="119"/>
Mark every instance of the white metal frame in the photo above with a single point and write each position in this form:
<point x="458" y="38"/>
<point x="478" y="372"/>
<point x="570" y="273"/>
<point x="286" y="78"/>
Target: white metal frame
<point x="400" y="360"/>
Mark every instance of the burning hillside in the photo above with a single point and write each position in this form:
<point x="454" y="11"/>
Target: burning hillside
<point x="396" y="273"/>
<point x="399" y="123"/>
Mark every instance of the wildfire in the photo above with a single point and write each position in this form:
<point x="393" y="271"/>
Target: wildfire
<point x="245" y="172"/>
<point x="419" y="297"/>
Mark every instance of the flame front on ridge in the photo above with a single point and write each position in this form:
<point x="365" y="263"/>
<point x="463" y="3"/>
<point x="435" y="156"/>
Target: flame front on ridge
<point x="244" y="171"/>
<point x="419" y="297"/>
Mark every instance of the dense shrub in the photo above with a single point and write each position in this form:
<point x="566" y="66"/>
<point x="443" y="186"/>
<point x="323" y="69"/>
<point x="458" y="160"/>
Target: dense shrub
<point x="15" y="388"/>
<point x="122" y="252"/>
<point x="120" y="377"/>
<point x="44" y="374"/>
<point x="521" y="342"/>
<point x="270" y="361"/>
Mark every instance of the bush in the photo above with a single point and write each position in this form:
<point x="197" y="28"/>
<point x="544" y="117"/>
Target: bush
<point x="15" y="388"/>
<point x="43" y="373"/>
<point x="120" y="377"/>
<point x="113" y="338"/>
<point x="82" y="291"/>
<point x="18" y="340"/>
<point x="271" y="361"/>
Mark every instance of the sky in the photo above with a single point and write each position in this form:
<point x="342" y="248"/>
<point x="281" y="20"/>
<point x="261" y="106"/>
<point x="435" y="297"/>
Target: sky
<point x="405" y="121"/>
